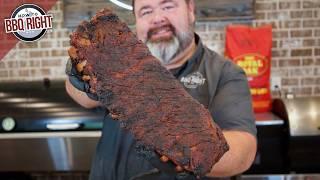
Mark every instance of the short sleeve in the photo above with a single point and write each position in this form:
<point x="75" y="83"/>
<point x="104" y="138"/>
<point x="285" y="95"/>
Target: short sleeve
<point x="231" y="106"/>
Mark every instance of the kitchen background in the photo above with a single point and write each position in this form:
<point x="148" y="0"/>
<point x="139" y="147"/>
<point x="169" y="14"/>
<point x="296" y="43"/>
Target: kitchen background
<point x="295" y="69"/>
<point x="295" y="52"/>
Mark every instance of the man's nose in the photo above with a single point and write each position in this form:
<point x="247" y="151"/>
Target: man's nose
<point x="159" y="19"/>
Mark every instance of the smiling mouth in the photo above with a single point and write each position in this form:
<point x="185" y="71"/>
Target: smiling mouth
<point x="161" y="33"/>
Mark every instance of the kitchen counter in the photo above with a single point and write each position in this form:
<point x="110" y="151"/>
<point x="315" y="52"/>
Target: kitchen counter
<point x="268" y="118"/>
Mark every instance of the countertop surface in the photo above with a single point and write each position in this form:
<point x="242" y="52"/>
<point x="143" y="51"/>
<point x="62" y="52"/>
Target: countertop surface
<point x="304" y="116"/>
<point x="268" y="118"/>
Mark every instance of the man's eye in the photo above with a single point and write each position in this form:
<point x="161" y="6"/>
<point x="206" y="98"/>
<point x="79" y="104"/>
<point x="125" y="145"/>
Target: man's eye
<point x="168" y="7"/>
<point x="146" y="13"/>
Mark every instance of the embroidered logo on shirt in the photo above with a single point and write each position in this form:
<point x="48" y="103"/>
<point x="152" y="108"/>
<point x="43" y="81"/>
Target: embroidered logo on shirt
<point x="193" y="80"/>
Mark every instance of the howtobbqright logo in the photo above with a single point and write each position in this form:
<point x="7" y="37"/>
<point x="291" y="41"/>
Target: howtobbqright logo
<point x="28" y="22"/>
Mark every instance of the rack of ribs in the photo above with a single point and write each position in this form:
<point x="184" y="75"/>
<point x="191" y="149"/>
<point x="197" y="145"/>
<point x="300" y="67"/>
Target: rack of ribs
<point x="143" y="95"/>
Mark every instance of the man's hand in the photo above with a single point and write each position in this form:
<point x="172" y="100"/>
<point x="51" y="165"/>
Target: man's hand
<point x="80" y="97"/>
<point x="77" y="86"/>
<point x="243" y="147"/>
<point x="78" y="79"/>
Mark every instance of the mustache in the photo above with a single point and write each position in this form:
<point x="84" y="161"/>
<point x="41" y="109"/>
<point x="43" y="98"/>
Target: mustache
<point x="156" y="29"/>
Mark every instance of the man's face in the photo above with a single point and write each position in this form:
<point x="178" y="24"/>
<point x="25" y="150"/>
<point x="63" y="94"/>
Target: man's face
<point x="166" y="26"/>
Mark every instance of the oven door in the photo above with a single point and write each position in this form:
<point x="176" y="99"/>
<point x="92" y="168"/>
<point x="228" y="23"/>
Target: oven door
<point x="47" y="151"/>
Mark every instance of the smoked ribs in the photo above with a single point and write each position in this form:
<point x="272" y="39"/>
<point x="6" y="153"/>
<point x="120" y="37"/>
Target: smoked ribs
<point x="143" y="95"/>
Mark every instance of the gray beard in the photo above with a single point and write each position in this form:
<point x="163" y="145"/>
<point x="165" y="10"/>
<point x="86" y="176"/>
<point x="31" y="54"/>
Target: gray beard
<point x="167" y="50"/>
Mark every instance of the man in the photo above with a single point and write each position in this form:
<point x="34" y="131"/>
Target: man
<point x="167" y="28"/>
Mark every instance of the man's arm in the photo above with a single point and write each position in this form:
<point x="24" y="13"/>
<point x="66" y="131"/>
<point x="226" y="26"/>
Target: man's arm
<point x="231" y="109"/>
<point x="80" y="97"/>
<point x="240" y="156"/>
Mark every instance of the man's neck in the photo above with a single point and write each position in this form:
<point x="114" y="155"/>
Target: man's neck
<point x="183" y="56"/>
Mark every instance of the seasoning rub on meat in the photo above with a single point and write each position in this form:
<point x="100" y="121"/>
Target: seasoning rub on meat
<point x="143" y="95"/>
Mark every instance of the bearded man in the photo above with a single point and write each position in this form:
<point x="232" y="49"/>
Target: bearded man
<point x="167" y="28"/>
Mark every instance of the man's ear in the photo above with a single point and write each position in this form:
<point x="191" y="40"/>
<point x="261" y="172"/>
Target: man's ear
<point x="192" y="10"/>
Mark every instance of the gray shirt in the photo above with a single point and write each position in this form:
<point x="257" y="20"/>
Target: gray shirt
<point x="221" y="86"/>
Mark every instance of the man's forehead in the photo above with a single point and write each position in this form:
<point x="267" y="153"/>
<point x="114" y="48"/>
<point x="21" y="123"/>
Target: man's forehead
<point x="139" y="3"/>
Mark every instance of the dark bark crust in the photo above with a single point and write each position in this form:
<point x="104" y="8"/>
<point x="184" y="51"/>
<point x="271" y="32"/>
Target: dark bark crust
<point x="144" y="96"/>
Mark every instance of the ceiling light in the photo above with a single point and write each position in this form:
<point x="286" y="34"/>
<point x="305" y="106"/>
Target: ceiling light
<point x="121" y="4"/>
